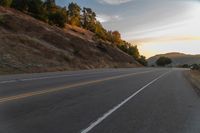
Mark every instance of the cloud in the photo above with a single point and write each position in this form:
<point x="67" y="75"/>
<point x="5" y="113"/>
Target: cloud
<point x="106" y="18"/>
<point x="165" y="39"/>
<point x="114" y="2"/>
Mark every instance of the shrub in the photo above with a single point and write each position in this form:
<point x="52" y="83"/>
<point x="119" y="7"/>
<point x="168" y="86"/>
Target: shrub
<point x="21" y="5"/>
<point x="1" y="19"/>
<point x="142" y="60"/>
<point x="195" y="67"/>
<point x="163" y="61"/>
<point x="58" y="18"/>
<point x="6" y="3"/>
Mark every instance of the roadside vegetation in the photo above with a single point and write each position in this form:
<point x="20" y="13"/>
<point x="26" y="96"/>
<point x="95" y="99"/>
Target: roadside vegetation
<point x="74" y="15"/>
<point x="163" y="61"/>
<point x="192" y="67"/>
<point x="195" y="67"/>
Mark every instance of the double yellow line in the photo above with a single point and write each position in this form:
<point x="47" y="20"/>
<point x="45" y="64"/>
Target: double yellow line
<point x="30" y="94"/>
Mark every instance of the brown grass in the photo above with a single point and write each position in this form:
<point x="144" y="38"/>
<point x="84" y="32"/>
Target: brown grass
<point x="28" y="45"/>
<point x="194" y="77"/>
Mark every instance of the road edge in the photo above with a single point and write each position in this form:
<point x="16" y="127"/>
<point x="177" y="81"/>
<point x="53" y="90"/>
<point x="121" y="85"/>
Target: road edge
<point x="193" y="81"/>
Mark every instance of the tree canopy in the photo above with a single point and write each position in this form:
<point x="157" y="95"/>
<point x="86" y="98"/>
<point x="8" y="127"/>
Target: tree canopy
<point x="6" y="3"/>
<point x="163" y="61"/>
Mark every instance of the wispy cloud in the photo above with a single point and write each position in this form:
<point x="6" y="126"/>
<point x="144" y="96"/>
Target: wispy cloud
<point x="114" y="2"/>
<point x="106" y="18"/>
<point x="165" y="39"/>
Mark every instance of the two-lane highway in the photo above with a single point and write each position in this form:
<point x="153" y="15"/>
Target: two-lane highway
<point x="141" y="100"/>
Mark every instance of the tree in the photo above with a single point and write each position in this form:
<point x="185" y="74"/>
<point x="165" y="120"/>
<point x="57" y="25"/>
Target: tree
<point x="58" y="18"/>
<point x="37" y="9"/>
<point x="195" y="67"/>
<point x="163" y="61"/>
<point x="185" y="66"/>
<point x="89" y="19"/>
<point x="6" y="3"/>
<point x="100" y="32"/>
<point x="123" y="47"/>
<point x="35" y="6"/>
<point x="21" y="5"/>
<point x="74" y="16"/>
<point x="142" y="60"/>
<point x="133" y="51"/>
<point x="50" y="6"/>
<point x="116" y="37"/>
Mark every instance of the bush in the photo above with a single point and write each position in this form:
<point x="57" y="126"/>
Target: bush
<point x="163" y="61"/>
<point x="21" y="5"/>
<point x="1" y="20"/>
<point x="195" y="67"/>
<point x="58" y="18"/>
<point x="185" y="66"/>
<point x="142" y="60"/>
<point x="6" y="3"/>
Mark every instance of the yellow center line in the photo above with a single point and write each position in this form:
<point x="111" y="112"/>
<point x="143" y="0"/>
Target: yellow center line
<point x="30" y="94"/>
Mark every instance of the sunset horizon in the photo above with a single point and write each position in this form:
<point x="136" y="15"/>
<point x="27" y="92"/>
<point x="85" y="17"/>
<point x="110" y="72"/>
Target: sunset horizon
<point x="156" y="26"/>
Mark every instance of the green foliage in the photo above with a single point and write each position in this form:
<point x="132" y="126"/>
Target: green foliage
<point x="116" y="37"/>
<point x="133" y="51"/>
<point x="89" y="19"/>
<point x="74" y="14"/>
<point x="142" y="60"/>
<point x="21" y="5"/>
<point x="100" y="31"/>
<point x="124" y="48"/>
<point x="36" y="8"/>
<point x="6" y="3"/>
<point x="163" y="61"/>
<point x="58" y="18"/>
<point x="195" y="67"/>
<point x="184" y="66"/>
<point x="1" y="20"/>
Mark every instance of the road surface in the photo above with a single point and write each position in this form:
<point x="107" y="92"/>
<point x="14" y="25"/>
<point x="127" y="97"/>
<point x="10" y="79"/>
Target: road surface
<point x="135" y="100"/>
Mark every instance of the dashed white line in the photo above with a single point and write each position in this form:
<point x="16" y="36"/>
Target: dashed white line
<point x="99" y="120"/>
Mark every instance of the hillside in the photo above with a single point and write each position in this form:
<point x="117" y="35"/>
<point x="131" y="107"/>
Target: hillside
<point x="29" y="45"/>
<point x="177" y="58"/>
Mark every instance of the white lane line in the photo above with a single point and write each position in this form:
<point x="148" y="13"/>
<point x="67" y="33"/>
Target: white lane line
<point x="99" y="120"/>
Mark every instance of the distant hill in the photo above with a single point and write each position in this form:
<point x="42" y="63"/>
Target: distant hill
<point x="29" y="45"/>
<point x="177" y="58"/>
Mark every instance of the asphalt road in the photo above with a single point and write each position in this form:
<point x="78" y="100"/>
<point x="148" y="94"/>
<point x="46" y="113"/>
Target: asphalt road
<point x="136" y="100"/>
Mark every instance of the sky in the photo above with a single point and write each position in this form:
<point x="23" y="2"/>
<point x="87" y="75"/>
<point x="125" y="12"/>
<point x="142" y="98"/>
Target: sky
<point x="155" y="26"/>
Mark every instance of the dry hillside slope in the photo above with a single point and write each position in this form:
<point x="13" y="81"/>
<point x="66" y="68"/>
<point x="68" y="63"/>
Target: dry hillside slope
<point x="29" y="45"/>
<point x="177" y="59"/>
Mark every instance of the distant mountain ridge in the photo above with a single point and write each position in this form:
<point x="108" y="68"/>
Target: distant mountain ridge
<point x="177" y="58"/>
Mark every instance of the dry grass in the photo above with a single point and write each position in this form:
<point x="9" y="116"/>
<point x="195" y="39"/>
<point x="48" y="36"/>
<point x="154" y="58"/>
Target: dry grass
<point x="194" y="77"/>
<point x="28" y="45"/>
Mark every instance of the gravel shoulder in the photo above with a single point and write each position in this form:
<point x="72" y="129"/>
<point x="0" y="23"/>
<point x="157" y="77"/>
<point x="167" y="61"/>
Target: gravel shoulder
<point x="194" y="78"/>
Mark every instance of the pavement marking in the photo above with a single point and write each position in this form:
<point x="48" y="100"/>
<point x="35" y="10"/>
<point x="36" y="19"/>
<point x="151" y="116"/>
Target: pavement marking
<point x="47" y="77"/>
<point x="30" y="94"/>
<point x="40" y="78"/>
<point x="107" y="114"/>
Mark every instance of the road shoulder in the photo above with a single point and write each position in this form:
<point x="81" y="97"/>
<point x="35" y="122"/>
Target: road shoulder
<point x="194" y="78"/>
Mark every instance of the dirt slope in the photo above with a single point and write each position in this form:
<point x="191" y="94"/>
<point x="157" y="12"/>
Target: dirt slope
<point x="29" y="45"/>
